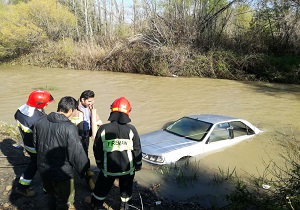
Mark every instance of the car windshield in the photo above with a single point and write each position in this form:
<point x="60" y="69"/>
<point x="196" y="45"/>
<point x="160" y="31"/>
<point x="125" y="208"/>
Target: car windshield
<point x="189" y="128"/>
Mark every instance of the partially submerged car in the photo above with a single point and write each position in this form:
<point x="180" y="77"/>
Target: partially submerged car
<point x="194" y="135"/>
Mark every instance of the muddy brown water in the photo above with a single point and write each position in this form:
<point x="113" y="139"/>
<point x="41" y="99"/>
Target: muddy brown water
<point x="274" y="108"/>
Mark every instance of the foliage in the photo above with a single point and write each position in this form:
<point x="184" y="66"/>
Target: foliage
<point x="284" y="69"/>
<point x="215" y="64"/>
<point x="224" y="175"/>
<point x="275" y="27"/>
<point x="183" y="172"/>
<point x="25" y="26"/>
<point x="243" y="18"/>
<point x="50" y="54"/>
<point x="206" y="38"/>
<point x="123" y="31"/>
<point x="53" y="18"/>
<point x="140" y="57"/>
<point x="9" y="131"/>
<point x="65" y="54"/>
<point x="18" y="34"/>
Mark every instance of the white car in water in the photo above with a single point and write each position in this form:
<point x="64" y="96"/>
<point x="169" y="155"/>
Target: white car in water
<point x="194" y="135"/>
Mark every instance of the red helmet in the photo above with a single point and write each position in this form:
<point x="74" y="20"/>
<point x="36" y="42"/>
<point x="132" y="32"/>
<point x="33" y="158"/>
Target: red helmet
<point x="39" y="99"/>
<point x="121" y="105"/>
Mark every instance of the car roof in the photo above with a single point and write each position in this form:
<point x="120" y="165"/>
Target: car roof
<point x="212" y="118"/>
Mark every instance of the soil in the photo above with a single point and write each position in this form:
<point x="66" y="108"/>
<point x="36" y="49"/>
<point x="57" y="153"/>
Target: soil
<point x="13" y="162"/>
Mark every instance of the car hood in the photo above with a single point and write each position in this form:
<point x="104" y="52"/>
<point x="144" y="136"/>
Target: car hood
<point x="161" y="142"/>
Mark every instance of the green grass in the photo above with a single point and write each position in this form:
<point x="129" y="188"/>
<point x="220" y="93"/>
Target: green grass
<point x="9" y="131"/>
<point x="223" y="176"/>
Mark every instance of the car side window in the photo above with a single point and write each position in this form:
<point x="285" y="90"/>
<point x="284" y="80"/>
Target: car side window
<point x="220" y="132"/>
<point x="240" y="129"/>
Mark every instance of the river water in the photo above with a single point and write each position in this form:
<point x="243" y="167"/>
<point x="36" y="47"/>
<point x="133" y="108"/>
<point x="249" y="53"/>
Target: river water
<point x="274" y="108"/>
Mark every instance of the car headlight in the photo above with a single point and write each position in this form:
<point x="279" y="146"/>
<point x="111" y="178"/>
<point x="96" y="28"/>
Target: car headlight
<point x="153" y="158"/>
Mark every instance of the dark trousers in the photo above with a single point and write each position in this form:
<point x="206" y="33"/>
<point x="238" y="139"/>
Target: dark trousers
<point x="30" y="171"/>
<point x="104" y="184"/>
<point x="60" y="194"/>
<point x="85" y="143"/>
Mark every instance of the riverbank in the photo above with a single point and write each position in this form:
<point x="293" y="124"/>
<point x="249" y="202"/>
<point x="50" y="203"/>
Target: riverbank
<point x="137" y="55"/>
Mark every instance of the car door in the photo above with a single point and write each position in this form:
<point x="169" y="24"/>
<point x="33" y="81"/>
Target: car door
<point x="220" y="137"/>
<point x="227" y="134"/>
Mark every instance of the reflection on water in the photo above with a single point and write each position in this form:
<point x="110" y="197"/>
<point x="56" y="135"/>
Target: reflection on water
<point x="274" y="108"/>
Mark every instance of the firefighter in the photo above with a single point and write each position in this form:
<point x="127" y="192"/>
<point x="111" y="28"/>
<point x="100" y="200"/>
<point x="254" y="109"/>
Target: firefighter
<point x="86" y="118"/>
<point x="118" y="155"/>
<point x="26" y="116"/>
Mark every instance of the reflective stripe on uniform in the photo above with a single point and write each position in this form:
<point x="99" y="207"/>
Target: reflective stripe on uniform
<point x="119" y="109"/>
<point x="76" y="120"/>
<point x="105" y="153"/>
<point x="117" y="145"/>
<point x="98" y="198"/>
<point x="129" y="153"/>
<point x="30" y="149"/>
<point x="23" y="181"/>
<point x="24" y="128"/>
<point x="125" y="199"/>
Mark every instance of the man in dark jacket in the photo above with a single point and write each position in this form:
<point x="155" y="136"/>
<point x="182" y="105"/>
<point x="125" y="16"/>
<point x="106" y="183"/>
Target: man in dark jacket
<point x="59" y="152"/>
<point x="118" y="154"/>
